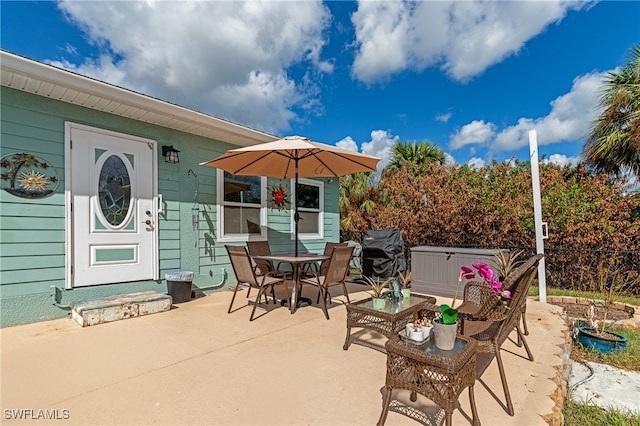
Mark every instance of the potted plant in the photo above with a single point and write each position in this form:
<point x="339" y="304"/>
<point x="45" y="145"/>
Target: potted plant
<point x="592" y="331"/>
<point x="506" y="261"/>
<point x="405" y="283"/>
<point x="378" y="291"/>
<point x="445" y="327"/>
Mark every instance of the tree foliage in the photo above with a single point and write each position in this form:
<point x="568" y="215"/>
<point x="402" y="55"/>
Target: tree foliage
<point x="614" y="141"/>
<point x="492" y="207"/>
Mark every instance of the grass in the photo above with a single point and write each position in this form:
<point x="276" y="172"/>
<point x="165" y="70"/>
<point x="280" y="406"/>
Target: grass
<point x="577" y="414"/>
<point x="586" y="413"/>
<point x="627" y="360"/>
<point x="535" y="291"/>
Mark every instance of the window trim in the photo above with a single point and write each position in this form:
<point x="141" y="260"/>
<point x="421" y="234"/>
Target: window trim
<point x="308" y="236"/>
<point x="220" y="205"/>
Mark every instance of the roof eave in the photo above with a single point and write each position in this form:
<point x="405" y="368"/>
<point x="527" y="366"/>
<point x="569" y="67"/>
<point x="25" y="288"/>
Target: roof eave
<point x="31" y="76"/>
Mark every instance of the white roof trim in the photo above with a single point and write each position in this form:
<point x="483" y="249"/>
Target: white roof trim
<point x="27" y="75"/>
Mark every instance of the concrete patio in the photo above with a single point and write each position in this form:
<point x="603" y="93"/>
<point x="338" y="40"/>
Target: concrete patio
<point x="196" y="364"/>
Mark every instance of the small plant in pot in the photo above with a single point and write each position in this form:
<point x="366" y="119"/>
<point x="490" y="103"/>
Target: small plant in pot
<point x="447" y="323"/>
<point x="445" y="327"/>
<point x="405" y="283"/>
<point x="378" y="291"/>
<point x="506" y="261"/>
<point x="591" y="332"/>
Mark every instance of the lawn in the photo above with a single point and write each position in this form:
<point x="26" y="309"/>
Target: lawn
<point x="578" y="414"/>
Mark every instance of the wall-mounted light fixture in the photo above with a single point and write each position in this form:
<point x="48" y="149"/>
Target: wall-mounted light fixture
<point x="170" y="154"/>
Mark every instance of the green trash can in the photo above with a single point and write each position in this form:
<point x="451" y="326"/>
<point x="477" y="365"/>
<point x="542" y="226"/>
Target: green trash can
<point x="179" y="286"/>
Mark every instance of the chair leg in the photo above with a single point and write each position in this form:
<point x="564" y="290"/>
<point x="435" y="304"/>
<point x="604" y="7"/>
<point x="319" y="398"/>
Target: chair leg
<point x="524" y="342"/>
<point x="505" y="386"/>
<point x="233" y="297"/>
<point x="286" y="291"/>
<point x="524" y="320"/>
<point x="344" y="288"/>
<point x="255" y="305"/>
<point x="323" y="290"/>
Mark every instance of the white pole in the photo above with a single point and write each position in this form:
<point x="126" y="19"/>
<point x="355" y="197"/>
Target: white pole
<point x="537" y="213"/>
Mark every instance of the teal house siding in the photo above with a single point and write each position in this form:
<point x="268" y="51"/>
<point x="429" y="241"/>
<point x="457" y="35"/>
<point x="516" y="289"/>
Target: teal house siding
<point x="33" y="232"/>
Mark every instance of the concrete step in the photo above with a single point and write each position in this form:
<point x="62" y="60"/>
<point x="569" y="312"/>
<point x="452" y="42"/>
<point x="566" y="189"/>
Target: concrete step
<point x="120" y="306"/>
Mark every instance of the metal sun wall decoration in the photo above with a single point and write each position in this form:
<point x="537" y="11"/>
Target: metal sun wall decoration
<point x="28" y="176"/>
<point x="278" y="197"/>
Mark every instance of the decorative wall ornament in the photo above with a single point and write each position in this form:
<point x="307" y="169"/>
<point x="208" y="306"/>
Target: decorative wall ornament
<point x="278" y="197"/>
<point x="28" y="176"/>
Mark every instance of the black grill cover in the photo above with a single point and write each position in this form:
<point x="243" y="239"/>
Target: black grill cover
<point x="383" y="254"/>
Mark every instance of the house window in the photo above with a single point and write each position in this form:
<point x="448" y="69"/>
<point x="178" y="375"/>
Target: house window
<point x="241" y="207"/>
<point x="310" y="206"/>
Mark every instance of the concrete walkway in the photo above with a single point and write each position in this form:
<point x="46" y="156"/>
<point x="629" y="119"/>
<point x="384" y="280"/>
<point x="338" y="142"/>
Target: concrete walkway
<point x="196" y="364"/>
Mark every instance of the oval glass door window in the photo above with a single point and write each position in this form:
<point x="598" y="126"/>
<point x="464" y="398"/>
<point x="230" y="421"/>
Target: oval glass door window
<point x="114" y="190"/>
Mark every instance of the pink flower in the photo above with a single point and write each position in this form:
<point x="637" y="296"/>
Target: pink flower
<point x="467" y="273"/>
<point x="486" y="273"/>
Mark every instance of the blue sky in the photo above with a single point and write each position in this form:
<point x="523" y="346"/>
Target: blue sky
<point x="473" y="77"/>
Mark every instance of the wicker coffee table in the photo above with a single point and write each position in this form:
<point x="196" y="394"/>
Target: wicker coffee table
<point x="439" y="375"/>
<point x="388" y="320"/>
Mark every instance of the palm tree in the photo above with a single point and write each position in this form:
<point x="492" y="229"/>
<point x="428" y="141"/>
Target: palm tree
<point x="415" y="153"/>
<point x="613" y="145"/>
<point x="355" y="201"/>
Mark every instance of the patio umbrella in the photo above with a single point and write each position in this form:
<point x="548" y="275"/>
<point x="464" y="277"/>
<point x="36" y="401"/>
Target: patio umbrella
<point x="293" y="157"/>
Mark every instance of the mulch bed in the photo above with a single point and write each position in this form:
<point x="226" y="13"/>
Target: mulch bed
<point x="574" y="310"/>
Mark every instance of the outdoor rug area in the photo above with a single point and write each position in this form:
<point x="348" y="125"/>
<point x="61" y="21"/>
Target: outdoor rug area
<point x="196" y="364"/>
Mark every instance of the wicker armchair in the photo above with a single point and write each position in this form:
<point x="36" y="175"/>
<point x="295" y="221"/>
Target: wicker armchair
<point x="491" y="323"/>
<point x="246" y="273"/>
<point x="478" y="302"/>
<point x="335" y="274"/>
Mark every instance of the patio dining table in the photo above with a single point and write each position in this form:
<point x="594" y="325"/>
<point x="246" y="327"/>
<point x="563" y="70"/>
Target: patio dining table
<point x="298" y="263"/>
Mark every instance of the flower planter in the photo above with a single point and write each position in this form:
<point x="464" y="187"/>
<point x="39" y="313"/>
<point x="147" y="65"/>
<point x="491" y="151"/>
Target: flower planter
<point x="603" y="343"/>
<point x="444" y="334"/>
<point x="379" y="303"/>
<point x="406" y="293"/>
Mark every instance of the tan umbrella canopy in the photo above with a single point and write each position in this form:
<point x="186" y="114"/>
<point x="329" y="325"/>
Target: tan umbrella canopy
<point x="293" y="157"/>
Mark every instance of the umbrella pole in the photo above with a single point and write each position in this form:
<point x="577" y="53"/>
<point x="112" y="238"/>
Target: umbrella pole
<point x="296" y="215"/>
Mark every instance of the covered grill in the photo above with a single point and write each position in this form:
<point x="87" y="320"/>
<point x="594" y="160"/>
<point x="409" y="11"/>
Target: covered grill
<point x="383" y="254"/>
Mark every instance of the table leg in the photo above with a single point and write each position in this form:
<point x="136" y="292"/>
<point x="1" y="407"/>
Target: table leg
<point x="385" y="406"/>
<point x="346" y="341"/>
<point x="294" y="293"/>
<point x="474" y="412"/>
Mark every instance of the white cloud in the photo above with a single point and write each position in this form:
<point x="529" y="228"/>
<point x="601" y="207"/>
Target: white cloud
<point x="380" y="145"/>
<point x="561" y="160"/>
<point x="444" y="118"/>
<point x="476" y="163"/>
<point x="464" y="38"/>
<point x="230" y="59"/>
<point x="448" y="159"/>
<point x="569" y="120"/>
<point x="476" y="132"/>
<point x="348" y="143"/>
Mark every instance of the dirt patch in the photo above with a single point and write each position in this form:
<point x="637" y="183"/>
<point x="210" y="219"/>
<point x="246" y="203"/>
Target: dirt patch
<point x="574" y="310"/>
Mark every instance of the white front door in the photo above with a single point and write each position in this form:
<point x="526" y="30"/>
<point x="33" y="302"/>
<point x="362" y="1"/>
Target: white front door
<point x="111" y="202"/>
